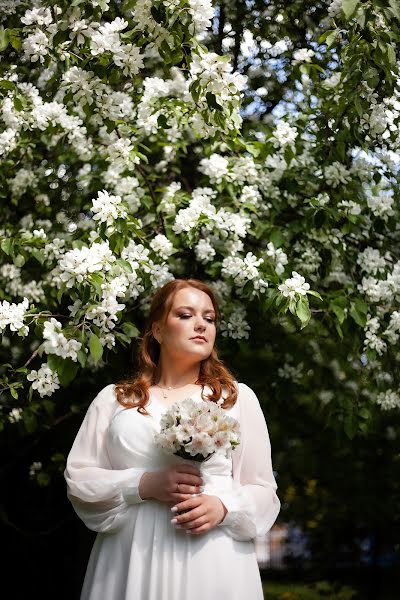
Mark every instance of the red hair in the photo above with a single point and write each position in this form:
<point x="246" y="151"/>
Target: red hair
<point x="134" y="391"/>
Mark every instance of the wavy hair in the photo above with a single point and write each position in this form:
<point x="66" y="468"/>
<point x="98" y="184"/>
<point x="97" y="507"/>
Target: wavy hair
<point x="133" y="392"/>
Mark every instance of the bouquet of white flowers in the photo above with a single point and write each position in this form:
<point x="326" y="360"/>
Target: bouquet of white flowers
<point x="196" y="430"/>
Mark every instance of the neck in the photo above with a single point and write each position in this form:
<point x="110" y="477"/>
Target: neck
<point x="171" y="374"/>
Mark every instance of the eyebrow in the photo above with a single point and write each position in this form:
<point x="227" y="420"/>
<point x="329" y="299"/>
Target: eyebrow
<point x="209" y="310"/>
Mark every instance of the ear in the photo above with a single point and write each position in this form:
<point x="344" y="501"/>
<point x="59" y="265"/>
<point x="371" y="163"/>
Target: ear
<point x="156" y="332"/>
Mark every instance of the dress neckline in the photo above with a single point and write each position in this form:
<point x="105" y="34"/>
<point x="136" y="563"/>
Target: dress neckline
<point x="158" y="402"/>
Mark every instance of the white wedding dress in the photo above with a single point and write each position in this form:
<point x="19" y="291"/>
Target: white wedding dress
<point x="138" y="554"/>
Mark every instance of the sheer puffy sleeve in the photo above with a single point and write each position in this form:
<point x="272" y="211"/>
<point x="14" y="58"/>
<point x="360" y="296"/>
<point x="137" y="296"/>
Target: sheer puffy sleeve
<point x="101" y="496"/>
<point x="252" y="504"/>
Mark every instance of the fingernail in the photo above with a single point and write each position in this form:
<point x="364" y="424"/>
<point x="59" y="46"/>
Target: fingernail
<point x="173" y="521"/>
<point x="174" y="509"/>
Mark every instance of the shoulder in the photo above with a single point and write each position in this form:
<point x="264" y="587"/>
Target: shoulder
<point x="246" y="391"/>
<point x="105" y="400"/>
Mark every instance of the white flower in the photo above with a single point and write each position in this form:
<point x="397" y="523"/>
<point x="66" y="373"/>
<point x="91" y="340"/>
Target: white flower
<point x="15" y="415"/>
<point x="243" y="270"/>
<point x="107" y="208"/>
<point x="388" y="400"/>
<point x="204" y="251"/>
<point x="371" y="261"/>
<point x="56" y="342"/>
<point x="296" y="285"/>
<point x="336" y="173"/>
<point x="41" y="16"/>
<point x="13" y="315"/>
<point x="202" y="13"/>
<point x="197" y="429"/>
<point x="335" y="7"/>
<point x="161" y="245"/>
<point x="34" y="468"/>
<point x="77" y="264"/>
<point x="302" y="55"/>
<point x="236" y="326"/>
<point x="381" y="205"/>
<point x="283" y="134"/>
<point x="45" y="381"/>
<point x="215" y="167"/>
<point x="36" y="46"/>
<point x="278" y="257"/>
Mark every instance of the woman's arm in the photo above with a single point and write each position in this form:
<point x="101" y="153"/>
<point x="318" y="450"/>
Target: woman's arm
<point x="253" y="504"/>
<point x="100" y="495"/>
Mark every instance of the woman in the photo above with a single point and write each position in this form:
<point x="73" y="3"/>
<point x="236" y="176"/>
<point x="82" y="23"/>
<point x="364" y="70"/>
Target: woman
<point x="142" y="501"/>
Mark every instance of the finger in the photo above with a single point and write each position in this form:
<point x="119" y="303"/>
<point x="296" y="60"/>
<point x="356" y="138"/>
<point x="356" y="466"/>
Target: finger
<point x="189" y="479"/>
<point x="199" y="530"/>
<point x="196" y="523"/>
<point x="188" y="489"/>
<point x="188" y="469"/>
<point x="191" y="515"/>
<point x="188" y="504"/>
<point x="179" y="498"/>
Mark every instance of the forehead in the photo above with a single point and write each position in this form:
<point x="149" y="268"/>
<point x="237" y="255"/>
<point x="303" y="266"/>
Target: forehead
<point x="192" y="297"/>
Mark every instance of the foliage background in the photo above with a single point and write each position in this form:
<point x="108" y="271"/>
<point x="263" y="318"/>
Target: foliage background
<point x="306" y="179"/>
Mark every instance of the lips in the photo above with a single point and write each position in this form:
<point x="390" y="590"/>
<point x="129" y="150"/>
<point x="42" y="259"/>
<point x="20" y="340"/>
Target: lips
<point x="199" y="337"/>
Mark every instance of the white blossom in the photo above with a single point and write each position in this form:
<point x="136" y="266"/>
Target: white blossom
<point x="296" y="285"/>
<point x="388" y="400"/>
<point x="235" y="326"/>
<point x="55" y="341"/>
<point x="302" y="55"/>
<point x="15" y="415"/>
<point x="161" y="245"/>
<point x="107" y="208"/>
<point x="278" y="257"/>
<point x="283" y="134"/>
<point x="45" y="381"/>
<point x="12" y="315"/>
<point x="204" y="251"/>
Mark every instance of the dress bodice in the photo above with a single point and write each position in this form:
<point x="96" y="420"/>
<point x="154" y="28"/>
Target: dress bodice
<point x="130" y="443"/>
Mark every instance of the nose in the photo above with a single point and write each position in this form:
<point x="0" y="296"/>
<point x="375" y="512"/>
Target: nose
<point x="199" y="326"/>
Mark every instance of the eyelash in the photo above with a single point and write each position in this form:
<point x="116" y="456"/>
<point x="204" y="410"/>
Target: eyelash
<point x="209" y="319"/>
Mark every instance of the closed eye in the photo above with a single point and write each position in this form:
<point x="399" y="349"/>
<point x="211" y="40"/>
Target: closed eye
<point x="209" y="319"/>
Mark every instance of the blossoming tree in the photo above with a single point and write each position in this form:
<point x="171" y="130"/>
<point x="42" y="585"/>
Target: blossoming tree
<point x="133" y="150"/>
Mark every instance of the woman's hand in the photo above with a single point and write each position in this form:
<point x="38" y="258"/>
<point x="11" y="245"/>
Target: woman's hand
<point x="202" y="513"/>
<point x="163" y="485"/>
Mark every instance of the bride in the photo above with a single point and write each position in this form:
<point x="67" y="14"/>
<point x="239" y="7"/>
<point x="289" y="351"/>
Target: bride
<point x="141" y="501"/>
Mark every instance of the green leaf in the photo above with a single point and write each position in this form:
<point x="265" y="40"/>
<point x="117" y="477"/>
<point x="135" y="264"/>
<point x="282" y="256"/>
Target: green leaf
<point x="349" y="7"/>
<point x="357" y="315"/>
<point x="314" y="293"/>
<point x="67" y="371"/>
<point x="39" y="255"/>
<point x="95" y="347"/>
<point x="124" y="264"/>
<point x="14" y="393"/>
<point x="82" y="358"/>
<point x="7" y="246"/>
<point x="19" y="260"/>
<point x="371" y="76"/>
<point x="4" y="39"/>
<point x="212" y="101"/>
<point x="15" y="39"/>
<point x="7" y="85"/>
<point x="54" y="362"/>
<point x="303" y="311"/>
<point x="130" y="329"/>
<point x="331" y="38"/>
<point x="395" y="7"/>
<point x="163" y="122"/>
<point x="391" y="55"/>
<point x="350" y="425"/>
